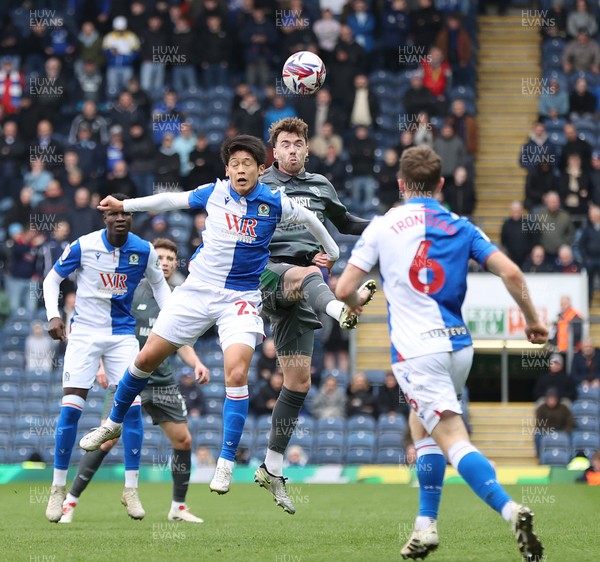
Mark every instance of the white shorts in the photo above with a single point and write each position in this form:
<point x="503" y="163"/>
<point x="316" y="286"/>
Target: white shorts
<point x="83" y="354"/>
<point x="432" y="383"/>
<point x="195" y="306"/>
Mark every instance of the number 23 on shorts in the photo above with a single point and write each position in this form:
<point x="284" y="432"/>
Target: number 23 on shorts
<point x="244" y="307"/>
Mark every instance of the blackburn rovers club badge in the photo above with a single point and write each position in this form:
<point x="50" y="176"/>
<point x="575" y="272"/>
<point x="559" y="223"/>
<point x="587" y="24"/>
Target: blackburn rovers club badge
<point x="134" y="259"/>
<point x="264" y="210"/>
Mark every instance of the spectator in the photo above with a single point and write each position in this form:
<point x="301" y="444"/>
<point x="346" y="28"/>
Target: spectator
<point x="183" y="74"/>
<point x="22" y="253"/>
<point x="330" y="401"/>
<point x="140" y="98"/>
<point x="46" y="146"/>
<point x="37" y="179"/>
<point x="295" y="456"/>
<point x="426" y="22"/>
<point x="581" y="54"/>
<point x="537" y="262"/>
<point x="267" y="361"/>
<point x="184" y="144"/>
<point x="264" y="400"/>
<point x="362" y="185"/>
<point x="515" y="237"/>
<point x="259" y="40"/>
<point x="451" y="149"/>
<point x="565" y="262"/>
<point x="582" y="103"/>
<point x="360" y="398"/>
<point x="83" y="219"/>
<point x="540" y="180"/>
<point x="22" y="211"/>
<point x="13" y="154"/>
<point x="140" y="154"/>
<point x="581" y="18"/>
<point x="362" y="23"/>
<point x="553" y="225"/>
<point x="279" y="110"/>
<point x="89" y="82"/>
<point x="459" y="193"/>
<point x="119" y="181"/>
<point x="349" y="60"/>
<point x="389" y="193"/>
<point x="39" y="348"/>
<point x="395" y="28"/>
<point x="326" y="137"/>
<point x="538" y="149"/>
<point x="204" y="458"/>
<point x="419" y="99"/>
<point x="125" y="111"/>
<point x="568" y="326"/>
<point x="155" y="227"/>
<point x="554" y="103"/>
<point x="585" y="369"/>
<point x="115" y="151"/>
<point x="54" y="246"/>
<point x="196" y="233"/>
<point x="12" y="86"/>
<point x="575" y="145"/>
<point x="121" y="49"/>
<point x="327" y="29"/>
<point x="406" y="141"/>
<point x="215" y="53"/>
<point x="248" y="116"/>
<point x="50" y="91"/>
<point x="153" y="54"/>
<point x="595" y="178"/>
<point x="555" y="378"/>
<point x="388" y="398"/>
<point x="592" y="473"/>
<point x="90" y="155"/>
<point x="167" y="117"/>
<point x="97" y="124"/>
<point x="574" y="189"/>
<point x="551" y="416"/>
<point x="436" y="73"/>
<point x="465" y="126"/>
<point x="192" y="394"/>
<point x="317" y="110"/>
<point x="333" y="167"/>
<point x="589" y="247"/>
<point x="423" y="134"/>
<point x="204" y="162"/>
<point x="168" y="163"/>
<point x="89" y="47"/>
<point x="557" y="21"/>
<point x="59" y="42"/>
<point x="456" y="47"/>
<point x="55" y="205"/>
<point x="30" y="114"/>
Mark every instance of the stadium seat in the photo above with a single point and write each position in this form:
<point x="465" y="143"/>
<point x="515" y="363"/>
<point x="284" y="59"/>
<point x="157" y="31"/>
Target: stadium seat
<point x="9" y="391"/>
<point x="10" y="374"/>
<point x="207" y="423"/>
<point x="556" y="439"/>
<point x="213" y="390"/>
<point x="342" y="378"/>
<point x="375" y="376"/>
<point x="247" y="439"/>
<point x="18" y="328"/>
<point x="555" y="456"/>
<point x="331" y="424"/>
<point x="555" y="45"/>
<point x="263" y="423"/>
<point x="150" y="454"/>
<point x="585" y="440"/>
<point x="13" y="343"/>
<point x="261" y="441"/>
<point x="328" y="456"/>
<point x="38" y="375"/>
<point x="95" y="405"/>
<point x="583" y="392"/>
<point x="20" y="455"/>
<point x="360" y="423"/>
<point x="89" y="419"/>
<point x="35" y="390"/>
<point x="326" y="439"/>
<point x="588" y="136"/>
<point x="361" y="439"/>
<point x="33" y="407"/>
<point x="213" y="406"/>
<point x="8" y="407"/>
<point x="587" y="423"/>
<point x="391" y="424"/>
<point x="465" y="93"/>
<point x="305" y="424"/>
<point x="389" y="440"/>
<point x="585" y="407"/>
<point x="15" y="359"/>
<point x="304" y="439"/>
<point x="359" y="456"/>
<point x="19" y="315"/>
<point x="208" y="439"/>
<point x="390" y="455"/>
<point x="557" y="137"/>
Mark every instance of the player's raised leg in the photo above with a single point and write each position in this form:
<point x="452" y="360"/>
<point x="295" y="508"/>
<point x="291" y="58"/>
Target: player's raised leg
<point x="181" y="463"/>
<point x="237" y="358"/>
<point x="135" y="379"/>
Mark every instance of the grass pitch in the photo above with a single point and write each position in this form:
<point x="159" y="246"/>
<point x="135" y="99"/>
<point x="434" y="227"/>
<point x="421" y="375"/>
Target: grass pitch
<point x="352" y="522"/>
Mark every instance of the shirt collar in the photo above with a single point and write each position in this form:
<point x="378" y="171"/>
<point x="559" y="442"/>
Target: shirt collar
<point x="250" y="196"/>
<point x="281" y="176"/>
<point x="109" y="246"/>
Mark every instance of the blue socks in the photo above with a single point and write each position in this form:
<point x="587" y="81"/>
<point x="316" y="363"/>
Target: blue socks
<point x="431" y="467"/>
<point x="132" y="436"/>
<point x="479" y="474"/>
<point x="235" y="410"/>
<point x="66" y="429"/>
<point x="129" y="387"/>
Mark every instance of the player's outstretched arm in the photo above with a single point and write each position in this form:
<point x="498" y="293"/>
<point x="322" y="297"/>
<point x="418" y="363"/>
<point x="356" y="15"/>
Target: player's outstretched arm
<point x="347" y="285"/>
<point x="160" y="202"/>
<point x="514" y="281"/>
<point x="349" y="224"/>
<point x="201" y="371"/>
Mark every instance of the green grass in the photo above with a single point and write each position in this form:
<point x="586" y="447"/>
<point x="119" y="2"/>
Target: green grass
<point x="353" y="522"/>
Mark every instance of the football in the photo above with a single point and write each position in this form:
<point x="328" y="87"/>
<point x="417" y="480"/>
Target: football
<point x="304" y="73"/>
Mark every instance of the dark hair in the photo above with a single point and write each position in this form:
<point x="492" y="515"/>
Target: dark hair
<point x="120" y="196"/>
<point x="248" y="143"/>
<point x="420" y="169"/>
<point x="292" y="125"/>
<point x="166" y="244"/>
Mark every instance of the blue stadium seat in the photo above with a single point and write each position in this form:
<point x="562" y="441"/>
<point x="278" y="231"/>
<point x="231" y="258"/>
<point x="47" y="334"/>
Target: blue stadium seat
<point x="391" y="424"/>
<point x="150" y="454"/>
<point x="380" y="77"/>
<point x="587" y="393"/>
<point x="585" y="440"/>
<point x="360" y="456"/>
<point x="247" y="439"/>
<point x="587" y="423"/>
<point x="33" y="407"/>
<point x="331" y="424"/>
<point x="555" y="45"/>
<point x="207" y="423"/>
<point x="305" y="424"/>
<point x="95" y="405"/>
<point x="220" y="93"/>
<point x="555" y="456"/>
<point x="14" y="359"/>
<point x="585" y="408"/>
<point x="8" y="407"/>
<point x="375" y="376"/>
<point x="35" y="390"/>
<point x="263" y="423"/>
<point x="342" y="378"/>
<point x="328" y="456"/>
<point x="9" y="391"/>
<point x="10" y="374"/>
<point x="261" y="441"/>
<point x="208" y="439"/>
<point x="557" y="137"/>
<point x="588" y="136"/>
<point x="20" y="455"/>
<point x="213" y="406"/>
<point x="179" y="235"/>
<point x="305" y="439"/>
<point x="19" y="315"/>
<point x="250" y="424"/>
<point x="555" y="439"/>
<point x="219" y="107"/>
<point x="17" y="328"/>
<point x="360" y="440"/>
<point x="327" y="439"/>
<point x="5" y="421"/>
<point x="390" y="455"/>
<point x="13" y="343"/>
<point x="214" y="390"/>
<point x="88" y="420"/>
<point x="389" y="440"/>
<point x="360" y="423"/>
<point x="465" y="93"/>
<point x="38" y="375"/>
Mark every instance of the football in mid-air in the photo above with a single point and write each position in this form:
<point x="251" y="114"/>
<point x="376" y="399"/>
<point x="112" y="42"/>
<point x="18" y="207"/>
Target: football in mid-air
<point x="304" y="73"/>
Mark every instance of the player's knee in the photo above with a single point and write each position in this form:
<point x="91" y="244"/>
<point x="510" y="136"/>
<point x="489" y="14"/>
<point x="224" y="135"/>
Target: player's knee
<point x="182" y="442"/>
<point x="237" y="376"/>
<point x="311" y="270"/>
